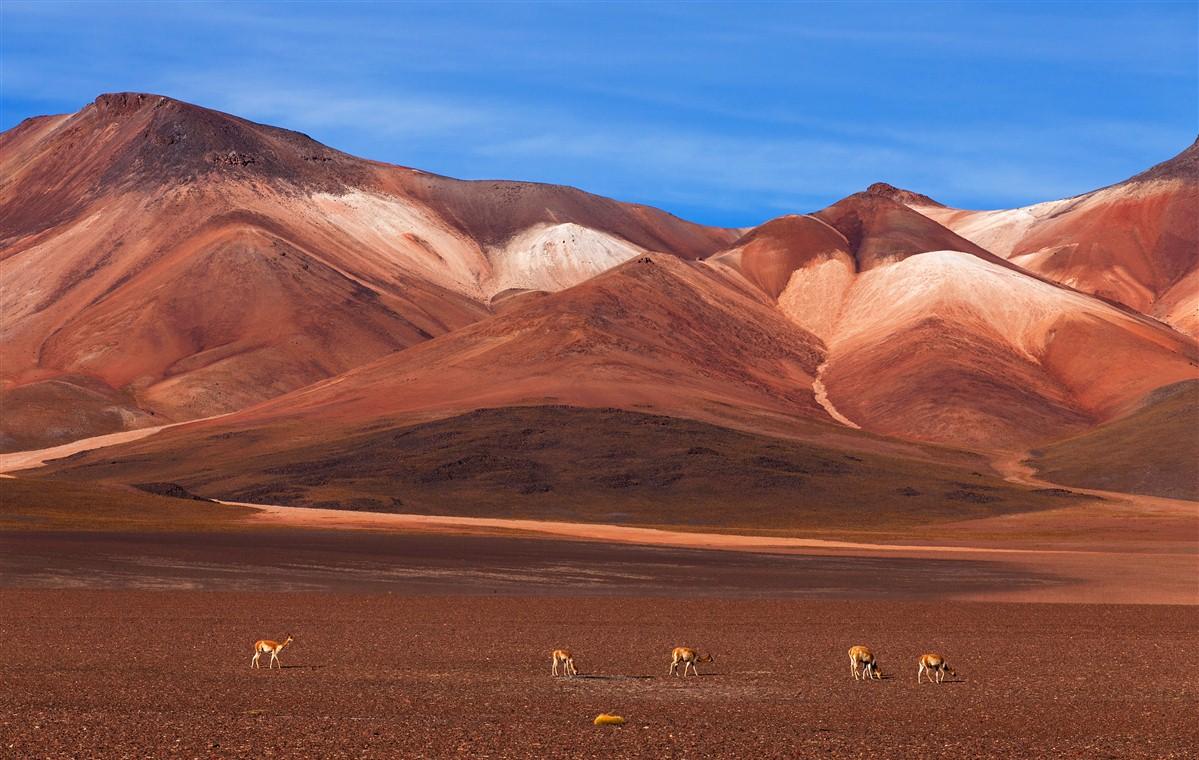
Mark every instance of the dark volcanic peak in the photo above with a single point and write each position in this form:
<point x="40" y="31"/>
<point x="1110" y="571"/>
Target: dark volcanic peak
<point x="1184" y="166"/>
<point x="879" y="228"/>
<point x="169" y="139"/>
<point x="900" y="195"/>
<point x="124" y="103"/>
<point x="53" y="167"/>
<point x="142" y="142"/>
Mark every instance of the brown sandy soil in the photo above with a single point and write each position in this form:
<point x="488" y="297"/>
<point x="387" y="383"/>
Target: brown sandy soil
<point x="336" y="560"/>
<point x="1124" y="549"/>
<point x="167" y="674"/>
<point x="1161" y="569"/>
<point x="880" y="229"/>
<point x="69" y="534"/>
<point x="23" y="460"/>
<point x="423" y="636"/>
<point x="1129" y="520"/>
<point x="32" y="505"/>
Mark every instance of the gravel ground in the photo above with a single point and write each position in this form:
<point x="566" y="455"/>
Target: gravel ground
<point x="126" y="673"/>
<point x="359" y="561"/>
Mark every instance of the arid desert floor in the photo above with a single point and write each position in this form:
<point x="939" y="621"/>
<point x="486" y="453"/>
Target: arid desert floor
<point x="130" y="673"/>
<point x="127" y="620"/>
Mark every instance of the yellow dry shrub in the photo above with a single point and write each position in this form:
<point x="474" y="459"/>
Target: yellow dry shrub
<point x="604" y="719"/>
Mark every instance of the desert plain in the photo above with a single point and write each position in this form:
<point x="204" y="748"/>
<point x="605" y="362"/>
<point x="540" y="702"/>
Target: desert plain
<point x="129" y="618"/>
<point x="253" y="386"/>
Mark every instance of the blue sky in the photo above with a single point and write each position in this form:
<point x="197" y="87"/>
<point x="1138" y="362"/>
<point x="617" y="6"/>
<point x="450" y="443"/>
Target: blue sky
<point x="722" y="113"/>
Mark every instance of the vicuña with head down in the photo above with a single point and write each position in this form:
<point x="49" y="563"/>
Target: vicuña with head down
<point x="567" y="660"/>
<point x="860" y="656"/>
<point x="689" y="657"/>
<point x="931" y="664"/>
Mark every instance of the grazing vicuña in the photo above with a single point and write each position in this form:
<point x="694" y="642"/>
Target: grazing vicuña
<point x="933" y="663"/>
<point x="568" y="663"/>
<point x="860" y="655"/>
<point x="689" y="657"/>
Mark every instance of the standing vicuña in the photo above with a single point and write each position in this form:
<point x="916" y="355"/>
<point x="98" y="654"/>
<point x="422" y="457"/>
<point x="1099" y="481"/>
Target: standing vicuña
<point x="568" y="663"/>
<point x="934" y="663"/>
<point x="688" y="657"/>
<point x="262" y="646"/>
<point x="861" y="655"/>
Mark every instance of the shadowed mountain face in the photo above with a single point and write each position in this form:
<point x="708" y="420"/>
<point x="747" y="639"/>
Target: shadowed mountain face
<point x="165" y="262"/>
<point x="1152" y="450"/>
<point x="573" y="464"/>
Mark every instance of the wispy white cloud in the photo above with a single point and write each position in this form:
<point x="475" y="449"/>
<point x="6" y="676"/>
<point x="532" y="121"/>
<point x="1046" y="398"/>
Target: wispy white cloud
<point x="959" y="165"/>
<point x="387" y="116"/>
<point x="699" y="108"/>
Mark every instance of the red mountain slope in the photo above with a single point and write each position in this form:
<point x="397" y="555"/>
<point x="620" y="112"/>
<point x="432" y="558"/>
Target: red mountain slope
<point x="173" y="262"/>
<point x="661" y="392"/>
<point x="880" y="229"/>
<point x="1136" y="242"/>
<point x="656" y="334"/>
<point x="931" y="337"/>
<point x="162" y="260"/>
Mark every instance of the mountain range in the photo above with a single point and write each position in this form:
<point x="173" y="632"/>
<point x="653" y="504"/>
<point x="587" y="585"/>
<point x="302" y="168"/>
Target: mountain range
<point x="354" y="334"/>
